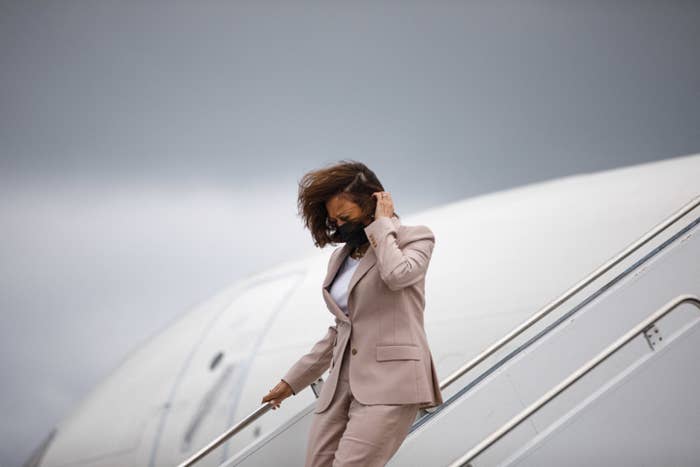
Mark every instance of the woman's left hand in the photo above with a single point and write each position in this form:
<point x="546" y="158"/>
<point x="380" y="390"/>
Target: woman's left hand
<point x="385" y="206"/>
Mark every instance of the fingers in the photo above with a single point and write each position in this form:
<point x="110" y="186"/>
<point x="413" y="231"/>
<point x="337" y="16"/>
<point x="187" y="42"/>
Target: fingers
<point x="383" y="197"/>
<point x="275" y="403"/>
<point x="277" y="395"/>
<point x="272" y="399"/>
<point x="385" y="206"/>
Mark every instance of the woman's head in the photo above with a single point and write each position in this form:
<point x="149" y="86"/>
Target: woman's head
<point x="336" y="194"/>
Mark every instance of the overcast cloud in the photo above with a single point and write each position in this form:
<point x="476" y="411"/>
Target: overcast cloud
<point x="149" y="151"/>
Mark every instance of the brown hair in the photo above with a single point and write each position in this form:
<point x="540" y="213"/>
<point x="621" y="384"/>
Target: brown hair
<point x="348" y="178"/>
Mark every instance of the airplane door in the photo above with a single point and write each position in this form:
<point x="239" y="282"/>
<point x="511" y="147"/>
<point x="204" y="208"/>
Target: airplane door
<point x="206" y="395"/>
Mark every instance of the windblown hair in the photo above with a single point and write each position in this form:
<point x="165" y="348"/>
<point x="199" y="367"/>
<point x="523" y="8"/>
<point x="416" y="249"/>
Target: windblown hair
<point x="347" y="178"/>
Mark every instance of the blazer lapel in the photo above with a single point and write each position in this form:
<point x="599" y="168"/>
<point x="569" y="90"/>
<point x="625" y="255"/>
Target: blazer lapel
<point x="335" y="264"/>
<point x="367" y="262"/>
<point x="333" y="267"/>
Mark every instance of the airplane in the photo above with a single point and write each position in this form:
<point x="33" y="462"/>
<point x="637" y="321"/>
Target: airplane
<point x="562" y="317"/>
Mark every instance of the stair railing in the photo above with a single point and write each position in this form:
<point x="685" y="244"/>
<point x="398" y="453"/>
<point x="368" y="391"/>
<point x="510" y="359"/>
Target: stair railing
<point x="573" y="377"/>
<point x="247" y="420"/>
<point x="571" y="292"/>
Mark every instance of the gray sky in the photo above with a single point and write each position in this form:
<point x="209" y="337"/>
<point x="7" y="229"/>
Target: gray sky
<point x="149" y="151"/>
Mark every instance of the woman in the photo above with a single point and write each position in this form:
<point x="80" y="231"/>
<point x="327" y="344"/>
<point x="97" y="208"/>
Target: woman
<point x="375" y="288"/>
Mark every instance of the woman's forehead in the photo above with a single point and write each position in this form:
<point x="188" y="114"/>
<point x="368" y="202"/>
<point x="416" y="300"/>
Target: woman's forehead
<point x="338" y="205"/>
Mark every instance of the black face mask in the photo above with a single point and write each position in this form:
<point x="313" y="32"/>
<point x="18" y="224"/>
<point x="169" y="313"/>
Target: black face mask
<point x="353" y="233"/>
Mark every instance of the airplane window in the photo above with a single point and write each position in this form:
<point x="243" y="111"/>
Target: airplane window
<point x="216" y="360"/>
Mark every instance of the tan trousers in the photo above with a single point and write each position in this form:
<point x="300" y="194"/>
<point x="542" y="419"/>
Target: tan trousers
<point x="349" y="433"/>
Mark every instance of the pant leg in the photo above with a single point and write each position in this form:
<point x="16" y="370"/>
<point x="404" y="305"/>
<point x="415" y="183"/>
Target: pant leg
<point x="373" y="433"/>
<point x="327" y="427"/>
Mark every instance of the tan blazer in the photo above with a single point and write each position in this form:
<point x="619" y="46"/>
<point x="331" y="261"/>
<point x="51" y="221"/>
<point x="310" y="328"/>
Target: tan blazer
<point x="390" y="361"/>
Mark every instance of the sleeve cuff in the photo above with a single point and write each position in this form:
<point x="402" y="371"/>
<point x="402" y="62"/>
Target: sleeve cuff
<point x="293" y="391"/>
<point x="377" y="228"/>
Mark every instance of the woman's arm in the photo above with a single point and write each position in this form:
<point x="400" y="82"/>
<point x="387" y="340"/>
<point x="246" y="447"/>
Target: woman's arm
<point x="312" y="365"/>
<point x="398" y="267"/>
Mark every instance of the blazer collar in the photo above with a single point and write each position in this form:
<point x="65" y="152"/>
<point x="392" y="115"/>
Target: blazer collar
<point x="366" y="263"/>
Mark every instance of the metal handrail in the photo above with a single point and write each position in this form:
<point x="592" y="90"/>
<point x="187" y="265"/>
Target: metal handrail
<point x="575" y="376"/>
<point x="247" y="420"/>
<point x="569" y="293"/>
<point x="226" y="435"/>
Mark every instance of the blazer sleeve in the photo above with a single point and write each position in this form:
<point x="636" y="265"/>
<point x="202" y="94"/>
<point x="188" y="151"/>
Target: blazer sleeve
<point x="400" y="267"/>
<point x="312" y="365"/>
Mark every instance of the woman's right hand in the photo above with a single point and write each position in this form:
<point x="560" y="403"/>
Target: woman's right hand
<point x="278" y="394"/>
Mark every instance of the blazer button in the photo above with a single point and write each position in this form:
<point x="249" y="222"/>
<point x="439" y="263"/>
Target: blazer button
<point x="354" y="350"/>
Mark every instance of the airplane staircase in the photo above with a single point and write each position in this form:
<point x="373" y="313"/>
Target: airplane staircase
<point x="476" y="425"/>
<point x="646" y="415"/>
<point x="607" y="308"/>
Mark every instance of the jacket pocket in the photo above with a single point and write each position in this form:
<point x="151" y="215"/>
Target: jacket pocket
<point x="398" y="352"/>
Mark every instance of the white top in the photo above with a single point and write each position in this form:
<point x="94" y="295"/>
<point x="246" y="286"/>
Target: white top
<point x="339" y="288"/>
